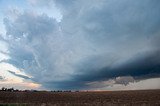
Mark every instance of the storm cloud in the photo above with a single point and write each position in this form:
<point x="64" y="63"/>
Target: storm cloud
<point x="95" y="41"/>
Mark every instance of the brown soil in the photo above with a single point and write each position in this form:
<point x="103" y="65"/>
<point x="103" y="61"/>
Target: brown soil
<point x="105" y="98"/>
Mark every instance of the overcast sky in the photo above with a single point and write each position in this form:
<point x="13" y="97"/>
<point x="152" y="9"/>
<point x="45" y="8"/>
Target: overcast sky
<point x="80" y="44"/>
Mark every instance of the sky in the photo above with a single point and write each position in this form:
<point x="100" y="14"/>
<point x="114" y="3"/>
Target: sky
<point x="80" y="44"/>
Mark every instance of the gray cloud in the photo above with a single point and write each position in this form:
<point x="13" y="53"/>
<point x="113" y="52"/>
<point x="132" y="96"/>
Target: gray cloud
<point x="1" y="78"/>
<point x="95" y="41"/>
<point x="19" y="75"/>
<point x="124" y="80"/>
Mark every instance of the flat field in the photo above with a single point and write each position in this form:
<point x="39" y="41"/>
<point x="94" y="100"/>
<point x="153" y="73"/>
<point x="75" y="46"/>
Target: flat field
<point x="103" y="98"/>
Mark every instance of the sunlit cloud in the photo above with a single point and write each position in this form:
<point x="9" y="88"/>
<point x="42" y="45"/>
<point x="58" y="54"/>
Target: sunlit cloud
<point x="19" y="85"/>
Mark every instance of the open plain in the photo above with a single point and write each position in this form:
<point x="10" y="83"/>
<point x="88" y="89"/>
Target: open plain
<point x="90" y="98"/>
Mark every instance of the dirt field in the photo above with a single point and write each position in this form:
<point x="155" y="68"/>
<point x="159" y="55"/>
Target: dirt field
<point x="107" y="98"/>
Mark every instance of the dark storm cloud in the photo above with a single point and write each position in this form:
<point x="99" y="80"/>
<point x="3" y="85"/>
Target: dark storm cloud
<point x="139" y="67"/>
<point x="143" y="64"/>
<point x="96" y="40"/>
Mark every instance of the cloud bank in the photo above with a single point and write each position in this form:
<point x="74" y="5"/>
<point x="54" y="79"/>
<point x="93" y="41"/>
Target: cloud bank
<point x="95" y="41"/>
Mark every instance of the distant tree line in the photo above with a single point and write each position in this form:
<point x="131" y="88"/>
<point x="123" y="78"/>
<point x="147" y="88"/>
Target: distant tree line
<point x="62" y="91"/>
<point x="17" y="90"/>
<point x="9" y="89"/>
